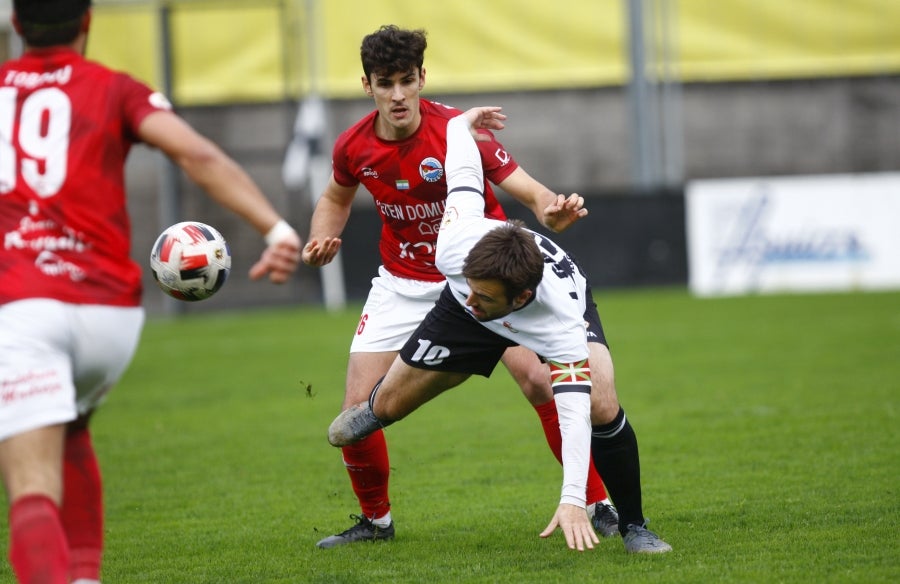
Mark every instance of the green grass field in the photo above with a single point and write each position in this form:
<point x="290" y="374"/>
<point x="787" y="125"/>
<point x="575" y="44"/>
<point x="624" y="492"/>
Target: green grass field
<point x="768" y="429"/>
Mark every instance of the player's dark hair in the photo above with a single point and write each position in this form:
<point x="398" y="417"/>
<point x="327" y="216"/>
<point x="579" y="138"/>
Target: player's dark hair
<point x="391" y="49"/>
<point x="507" y="253"/>
<point x="45" y="23"/>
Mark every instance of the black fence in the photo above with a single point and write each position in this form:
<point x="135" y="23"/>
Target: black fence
<point x="627" y="240"/>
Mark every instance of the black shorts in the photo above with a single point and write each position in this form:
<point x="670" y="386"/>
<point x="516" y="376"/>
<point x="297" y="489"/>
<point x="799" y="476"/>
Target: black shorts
<point x="592" y="318"/>
<point x="450" y="339"/>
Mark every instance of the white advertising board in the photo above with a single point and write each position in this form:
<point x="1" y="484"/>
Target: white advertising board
<point x="794" y="234"/>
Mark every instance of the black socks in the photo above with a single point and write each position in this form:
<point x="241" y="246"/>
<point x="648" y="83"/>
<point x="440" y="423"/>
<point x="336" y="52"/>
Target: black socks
<point x="614" y="449"/>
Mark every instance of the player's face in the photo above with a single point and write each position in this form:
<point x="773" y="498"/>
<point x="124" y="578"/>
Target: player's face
<point x="487" y="299"/>
<point x="397" y="100"/>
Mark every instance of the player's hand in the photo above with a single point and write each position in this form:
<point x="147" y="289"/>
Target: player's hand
<point x="484" y="118"/>
<point x="318" y="254"/>
<point x="279" y="260"/>
<point x="564" y="211"/>
<point x="575" y="525"/>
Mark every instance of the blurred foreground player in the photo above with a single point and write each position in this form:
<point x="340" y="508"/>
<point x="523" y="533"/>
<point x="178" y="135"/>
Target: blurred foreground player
<point x="70" y="296"/>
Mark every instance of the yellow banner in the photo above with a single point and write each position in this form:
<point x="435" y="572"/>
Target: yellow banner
<point x="127" y="38"/>
<point x="233" y="50"/>
<point x="268" y="50"/>
<point x="763" y="39"/>
<point x="476" y="45"/>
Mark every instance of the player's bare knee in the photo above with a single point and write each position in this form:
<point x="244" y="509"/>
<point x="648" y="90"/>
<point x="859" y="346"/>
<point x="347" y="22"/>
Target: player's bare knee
<point x="536" y="389"/>
<point x="533" y="379"/>
<point x="603" y="411"/>
<point x="355" y="394"/>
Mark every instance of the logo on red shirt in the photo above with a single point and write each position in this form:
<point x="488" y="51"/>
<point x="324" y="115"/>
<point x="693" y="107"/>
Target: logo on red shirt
<point x="431" y="169"/>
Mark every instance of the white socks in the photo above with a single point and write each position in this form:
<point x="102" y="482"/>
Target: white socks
<point x="383" y="521"/>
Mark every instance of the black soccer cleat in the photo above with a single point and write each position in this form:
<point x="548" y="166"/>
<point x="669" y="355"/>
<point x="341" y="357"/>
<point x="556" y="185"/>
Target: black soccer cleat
<point x="364" y="530"/>
<point x="605" y="520"/>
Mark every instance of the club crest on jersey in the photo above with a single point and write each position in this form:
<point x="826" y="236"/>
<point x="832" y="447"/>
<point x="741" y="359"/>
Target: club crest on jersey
<point x="431" y="169"/>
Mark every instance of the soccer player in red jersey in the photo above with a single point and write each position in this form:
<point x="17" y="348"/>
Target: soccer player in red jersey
<point x="397" y="153"/>
<point x="70" y="294"/>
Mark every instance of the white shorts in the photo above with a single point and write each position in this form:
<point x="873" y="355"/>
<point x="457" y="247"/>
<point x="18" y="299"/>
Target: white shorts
<point x="59" y="360"/>
<point x="394" y="308"/>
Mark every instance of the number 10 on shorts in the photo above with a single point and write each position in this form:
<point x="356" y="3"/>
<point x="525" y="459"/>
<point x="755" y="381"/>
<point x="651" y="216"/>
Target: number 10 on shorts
<point x="430" y="354"/>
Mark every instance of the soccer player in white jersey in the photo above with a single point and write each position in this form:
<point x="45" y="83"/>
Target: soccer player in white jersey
<point x="70" y="293"/>
<point x="509" y="286"/>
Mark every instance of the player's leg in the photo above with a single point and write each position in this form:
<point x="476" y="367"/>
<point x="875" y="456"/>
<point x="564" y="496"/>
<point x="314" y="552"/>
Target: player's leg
<point x="614" y="446"/>
<point x="533" y="378"/>
<point x="30" y="464"/>
<point x="104" y="340"/>
<point x="393" y="309"/>
<point x="444" y="341"/>
<point x="367" y="461"/>
<point x="614" y="449"/>
<point x="82" y="509"/>
<point x="405" y="389"/>
<point x="402" y="390"/>
<point x="39" y="399"/>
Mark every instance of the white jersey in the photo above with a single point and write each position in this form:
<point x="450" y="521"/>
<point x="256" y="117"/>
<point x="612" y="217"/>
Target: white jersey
<point x="552" y="324"/>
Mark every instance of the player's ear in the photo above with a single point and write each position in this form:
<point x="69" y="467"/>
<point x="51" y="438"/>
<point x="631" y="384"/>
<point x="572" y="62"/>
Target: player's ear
<point x="367" y="86"/>
<point x="520" y="300"/>
<point x="17" y="26"/>
<point x="421" y="78"/>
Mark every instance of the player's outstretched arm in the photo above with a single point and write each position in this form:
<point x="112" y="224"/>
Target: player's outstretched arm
<point x="281" y="256"/>
<point x="328" y="221"/>
<point x="230" y="186"/>
<point x="563" y="211"/>
<point x="554" y="211"/>
<point x="318" y="253"/>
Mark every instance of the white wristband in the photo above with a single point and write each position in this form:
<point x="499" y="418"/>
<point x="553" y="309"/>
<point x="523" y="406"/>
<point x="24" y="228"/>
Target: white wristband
<point x="278" y="232"/>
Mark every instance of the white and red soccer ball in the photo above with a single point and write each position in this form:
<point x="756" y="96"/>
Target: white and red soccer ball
<point x="190" y="261"/>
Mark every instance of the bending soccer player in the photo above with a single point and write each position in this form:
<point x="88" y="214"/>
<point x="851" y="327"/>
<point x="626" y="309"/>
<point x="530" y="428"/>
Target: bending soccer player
<point x="509" y="286"/>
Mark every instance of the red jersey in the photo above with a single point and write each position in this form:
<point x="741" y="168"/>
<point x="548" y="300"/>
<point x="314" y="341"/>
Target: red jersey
<point x="407" y="180"/>
<point x="66" y="126"/>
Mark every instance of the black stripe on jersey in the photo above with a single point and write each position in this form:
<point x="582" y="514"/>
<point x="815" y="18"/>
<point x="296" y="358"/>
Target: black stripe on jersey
<point x="469" y="189"/>
<point x="571" y="388"/>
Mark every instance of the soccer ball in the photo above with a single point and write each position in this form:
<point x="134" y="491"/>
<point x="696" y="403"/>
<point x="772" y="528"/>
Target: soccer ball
<point x="190" y="261"/>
